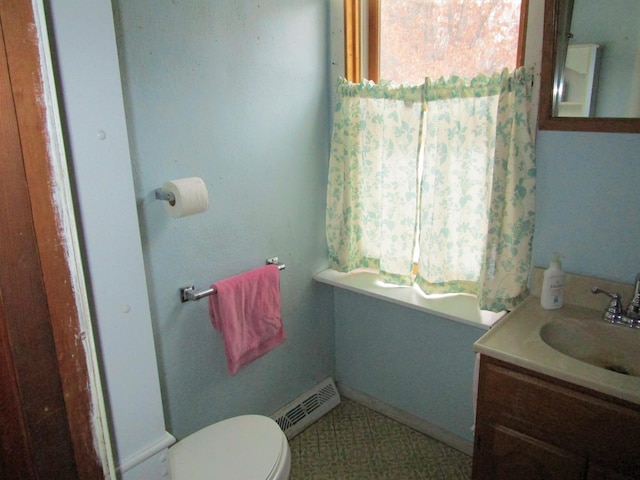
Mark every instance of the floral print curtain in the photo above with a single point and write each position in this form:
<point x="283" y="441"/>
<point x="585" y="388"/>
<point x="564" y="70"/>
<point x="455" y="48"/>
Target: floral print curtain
<point x="441" y="175"/>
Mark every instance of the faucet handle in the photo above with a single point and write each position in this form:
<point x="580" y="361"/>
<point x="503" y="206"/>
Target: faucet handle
<point x="633" y="310"/>
<point x="614" y="312"/>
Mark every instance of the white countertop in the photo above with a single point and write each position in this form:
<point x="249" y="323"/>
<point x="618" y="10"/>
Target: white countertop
<point x="516" y="339"/>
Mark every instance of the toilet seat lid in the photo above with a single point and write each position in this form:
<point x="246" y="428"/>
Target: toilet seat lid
<point x="242" y="448"/>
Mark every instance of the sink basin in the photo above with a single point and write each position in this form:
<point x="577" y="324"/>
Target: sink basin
<point x="571" y="344"/>
<point x="612" y="347"/>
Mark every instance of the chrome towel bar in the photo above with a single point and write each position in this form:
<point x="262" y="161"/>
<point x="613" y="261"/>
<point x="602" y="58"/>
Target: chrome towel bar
<point x="189" y="293"/>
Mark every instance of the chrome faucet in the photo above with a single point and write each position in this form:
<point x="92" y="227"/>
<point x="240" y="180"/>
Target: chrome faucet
<point x="633" y="310"/>
<point x="616" y="314"/>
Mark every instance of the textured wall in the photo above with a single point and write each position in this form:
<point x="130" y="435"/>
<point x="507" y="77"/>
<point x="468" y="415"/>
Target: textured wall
<point x="235" y="92"/>
<point x="419" y="363"/>
<point x="587" y="203"/>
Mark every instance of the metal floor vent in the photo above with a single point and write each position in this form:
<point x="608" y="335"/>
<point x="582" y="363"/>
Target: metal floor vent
<point x="307" y="408"/>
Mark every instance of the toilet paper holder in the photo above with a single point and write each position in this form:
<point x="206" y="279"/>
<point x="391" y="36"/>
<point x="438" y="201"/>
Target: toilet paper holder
<point x="184" y="196"/>
<point x="167" y="196"/>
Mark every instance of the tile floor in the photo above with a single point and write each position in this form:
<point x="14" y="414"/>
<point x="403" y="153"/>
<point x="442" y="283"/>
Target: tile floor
<point x="354" y="442"/>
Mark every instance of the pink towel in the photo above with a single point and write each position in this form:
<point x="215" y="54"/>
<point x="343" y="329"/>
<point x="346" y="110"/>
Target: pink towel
<point x="246" y="309"/>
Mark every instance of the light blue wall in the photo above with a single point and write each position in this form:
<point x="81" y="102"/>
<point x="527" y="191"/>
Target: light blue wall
<point x="237" y="93"/>
<point x="587" y="203"/>
<point x="419" y="363"/>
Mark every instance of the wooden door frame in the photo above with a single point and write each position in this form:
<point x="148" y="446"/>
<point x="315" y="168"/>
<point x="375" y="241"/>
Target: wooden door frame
<point x="52" y="412"/>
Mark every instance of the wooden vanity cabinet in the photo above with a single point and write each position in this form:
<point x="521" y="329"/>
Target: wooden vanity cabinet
<point x="532" y="426"/>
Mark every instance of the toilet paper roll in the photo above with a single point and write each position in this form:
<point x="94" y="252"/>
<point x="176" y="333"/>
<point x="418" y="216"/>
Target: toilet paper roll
<point x="191" y="196"/>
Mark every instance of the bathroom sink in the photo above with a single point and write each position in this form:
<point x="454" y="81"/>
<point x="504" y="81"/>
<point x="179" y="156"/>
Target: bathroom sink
<point x="571" y="344"/>
<point x="604" y="345"/>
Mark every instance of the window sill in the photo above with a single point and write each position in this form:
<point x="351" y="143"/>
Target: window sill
<point x="461" y="308"/>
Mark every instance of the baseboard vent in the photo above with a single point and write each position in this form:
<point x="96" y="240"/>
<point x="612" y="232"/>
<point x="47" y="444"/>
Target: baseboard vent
<point x="307" y="408"/>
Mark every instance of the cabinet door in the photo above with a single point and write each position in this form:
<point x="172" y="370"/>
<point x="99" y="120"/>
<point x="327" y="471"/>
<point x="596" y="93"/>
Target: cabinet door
<point x="505" y="454"/>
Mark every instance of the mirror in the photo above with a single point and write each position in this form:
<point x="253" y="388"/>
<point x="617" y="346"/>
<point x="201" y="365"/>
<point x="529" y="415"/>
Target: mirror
<point x="590" y="72"/>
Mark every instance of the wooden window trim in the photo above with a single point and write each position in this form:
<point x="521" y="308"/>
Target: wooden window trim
<point x="352" y="40"/>
<point x="373" y="50"/>
<point x="522" y="36"/>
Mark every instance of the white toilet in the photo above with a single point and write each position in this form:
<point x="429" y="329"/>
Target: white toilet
<point x="248" y="447"/>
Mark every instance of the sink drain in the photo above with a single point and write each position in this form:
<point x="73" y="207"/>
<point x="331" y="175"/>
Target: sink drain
<point x="618" y="369"/>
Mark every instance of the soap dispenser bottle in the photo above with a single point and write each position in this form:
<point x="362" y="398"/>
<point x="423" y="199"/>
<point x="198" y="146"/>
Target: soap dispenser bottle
<point x="552" y="295"/>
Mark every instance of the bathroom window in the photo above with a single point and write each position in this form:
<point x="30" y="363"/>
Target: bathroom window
<point x="406" y="40"/>
<point x="432" y="180"/>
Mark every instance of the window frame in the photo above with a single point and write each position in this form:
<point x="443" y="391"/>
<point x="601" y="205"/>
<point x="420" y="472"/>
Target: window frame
<point x="359" y="36"/>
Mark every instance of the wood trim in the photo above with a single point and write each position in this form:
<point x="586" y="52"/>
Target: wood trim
<point x="28" y="339"/>
<point x="522" y="36"/>
<point x="373" y="52"/>
<point x="352" y="40"/>
<point x="14" y="443"/>
<point x="12" y="436"/>
<point x="42" y="321"/>
<point x="546" y="120"/>
<point x="548" y="61"/>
